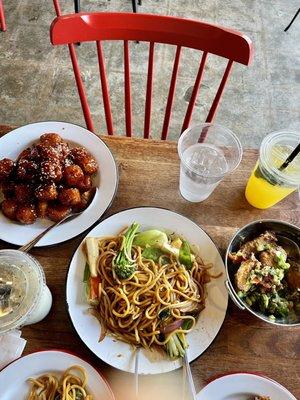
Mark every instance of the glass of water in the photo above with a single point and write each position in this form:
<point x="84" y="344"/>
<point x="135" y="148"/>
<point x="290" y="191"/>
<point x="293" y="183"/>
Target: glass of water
<point x="207" y="153"/>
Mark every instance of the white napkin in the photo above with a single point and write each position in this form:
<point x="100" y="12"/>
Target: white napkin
<point x="11" y="347"/>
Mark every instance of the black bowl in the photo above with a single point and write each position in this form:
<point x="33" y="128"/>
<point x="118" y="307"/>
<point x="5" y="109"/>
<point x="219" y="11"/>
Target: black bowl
<point x="245" y="234"/>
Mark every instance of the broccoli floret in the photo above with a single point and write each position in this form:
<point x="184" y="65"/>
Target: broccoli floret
<point x="124" y="271"/>
<point x="281" y="260"/>
<point x="124" y="265"/>
<point x="263" y="302"/>
<point x="263" y="246"/>
<point x="278" y="306"/>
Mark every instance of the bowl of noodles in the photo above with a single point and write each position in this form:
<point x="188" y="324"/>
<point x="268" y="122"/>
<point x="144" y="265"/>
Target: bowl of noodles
<point x="148" y="279"/>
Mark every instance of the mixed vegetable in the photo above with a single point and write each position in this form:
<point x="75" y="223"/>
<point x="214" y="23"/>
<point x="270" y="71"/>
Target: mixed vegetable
<point x="266" y="279"/>
<point x="156" y="245"/>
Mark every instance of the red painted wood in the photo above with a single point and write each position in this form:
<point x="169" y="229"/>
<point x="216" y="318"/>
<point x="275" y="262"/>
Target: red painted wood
<point x="218" y="95"/>
<point x="2" y="17"/>
<point x="189" y="111"/>
<point x="105" y="90"/>
<point x="80" y="87"/>
<point x="127" y="83"/>
<point x="169" y="105"/>
<point x="199" y="35"/>
<point x="57" y="7"/>
<point x="148" y="102"/>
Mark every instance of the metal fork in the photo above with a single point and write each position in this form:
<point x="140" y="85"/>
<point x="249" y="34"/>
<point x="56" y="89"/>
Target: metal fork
<point x="5" y="291"/>
<point x="187" y="375"/>
<point x="136" y="372"/>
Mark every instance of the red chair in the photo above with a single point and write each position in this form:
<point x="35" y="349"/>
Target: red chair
<point x="2" y="18"/>
<point x="83" y="27"/>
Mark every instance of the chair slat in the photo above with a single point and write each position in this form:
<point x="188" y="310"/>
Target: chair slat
<point x="81" y="89"/>
<point x="218" y="95"/>
<point x="169" y="105"/>
<point x="189" y="111"/>
<point x="127" y="81"/>
<point x="57" y="7"/>
<point x="148" y="103"/>
<point x="105" y="90"/>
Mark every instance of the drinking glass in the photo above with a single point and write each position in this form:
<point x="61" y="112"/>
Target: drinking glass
<point x="30" y="298"/>
<point x="268" y="184"/>
<point x="207" y="152"/>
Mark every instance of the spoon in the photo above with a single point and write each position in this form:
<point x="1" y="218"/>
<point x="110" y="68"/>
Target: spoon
<point x="290" y="247"/>
<point x="28" y="246"/>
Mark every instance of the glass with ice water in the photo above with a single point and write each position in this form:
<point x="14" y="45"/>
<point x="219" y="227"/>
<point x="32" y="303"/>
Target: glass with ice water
<point x="207" y="153"/>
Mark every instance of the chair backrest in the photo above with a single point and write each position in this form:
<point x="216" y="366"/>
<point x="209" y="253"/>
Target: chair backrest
<point x="2" y="17"/>
<point x="98" y="27"/>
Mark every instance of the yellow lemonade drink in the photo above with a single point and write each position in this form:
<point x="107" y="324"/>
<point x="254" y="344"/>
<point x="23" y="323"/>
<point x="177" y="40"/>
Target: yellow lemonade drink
<point x="267" y="184"/>
<point x="262" y="194"/>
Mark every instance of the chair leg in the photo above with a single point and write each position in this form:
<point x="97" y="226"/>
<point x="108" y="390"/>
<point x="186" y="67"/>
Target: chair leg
<point x="134" y="6"/>
<point x="294" y="17"/>
<point x="2" y="17"/>
<point x="77" y="10"/>
<point x="77" y="6"/>
<point x="139" y="2"/>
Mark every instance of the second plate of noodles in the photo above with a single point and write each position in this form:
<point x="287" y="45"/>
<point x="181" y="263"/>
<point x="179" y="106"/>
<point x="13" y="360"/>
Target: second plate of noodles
<point x="53" y="375"/>
<point x="153" y="279"/>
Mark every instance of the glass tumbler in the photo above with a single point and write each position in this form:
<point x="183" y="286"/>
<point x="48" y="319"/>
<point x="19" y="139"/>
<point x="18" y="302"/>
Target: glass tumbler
<point x="30" y="299"/>
<point x="208" y="152"/>
<point x="268" y="184"/>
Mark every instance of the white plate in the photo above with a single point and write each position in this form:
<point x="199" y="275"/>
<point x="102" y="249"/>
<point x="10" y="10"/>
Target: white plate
<point x="13" y="378"/>
<point x="17" y="140"/>
<point x="121" y="355"/>
<point x="241" y="386"/>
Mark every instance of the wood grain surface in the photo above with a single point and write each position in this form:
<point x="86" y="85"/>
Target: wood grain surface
<point x="149" y="173"/>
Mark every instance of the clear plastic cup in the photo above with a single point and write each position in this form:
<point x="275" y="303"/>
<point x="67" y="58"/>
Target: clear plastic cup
<point x="30" y="299"/>
<point x="268" y="184"/>
<point x="207" y="152"/>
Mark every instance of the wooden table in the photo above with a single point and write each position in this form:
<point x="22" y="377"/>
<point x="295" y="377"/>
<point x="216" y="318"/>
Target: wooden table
<point x="149" y="176"/>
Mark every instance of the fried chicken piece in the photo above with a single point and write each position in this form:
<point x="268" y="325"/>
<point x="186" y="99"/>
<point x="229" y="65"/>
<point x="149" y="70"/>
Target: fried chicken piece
<point x="23" y="192"/>
<point x="46" y="192"/>
<point x="52" y="139"/>
<point x="41" y="209"/>
<point x="56" y="212"/>
<point x="8" y="189"/>
<point x="243" y="273"/>
<point x="6" y="168"/>
<point x="26" y="214"/>
<point x="270" y="257"/>
<point x="30" y="153"/>
<point x="85" y="183"/>
<point x="262" y="242"/>
<point x="26" y="169"/>
<point x="9" y="208"/>
<point x="50" y="171"/>
<point x="73" y="174"/>
<point x="85" y="160"/>
<point x="85" y="200"/>
<point x="69" y="197"/>
<point x="48" y="152"/>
